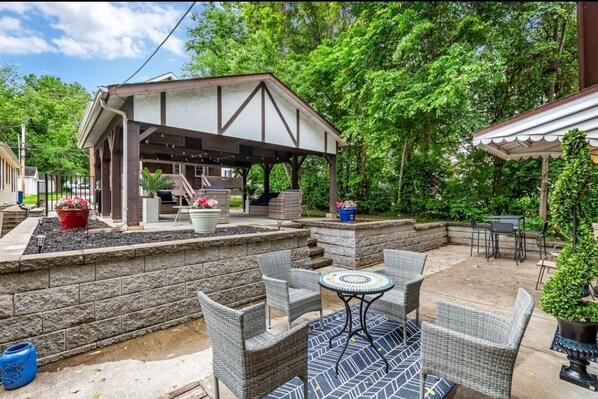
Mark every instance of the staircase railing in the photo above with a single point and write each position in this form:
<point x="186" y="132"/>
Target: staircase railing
<point x="188" y="189"/>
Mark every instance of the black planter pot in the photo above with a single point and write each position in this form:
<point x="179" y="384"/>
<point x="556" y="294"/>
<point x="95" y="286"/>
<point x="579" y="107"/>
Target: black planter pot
<point x="578" y="341"/>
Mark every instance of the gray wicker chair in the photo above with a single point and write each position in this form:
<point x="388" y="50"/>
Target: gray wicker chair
<point x="250" y="361"/>
<point x="406" y="269"/>
<point x="290" y="290"/>
<point x="474" y="348"/>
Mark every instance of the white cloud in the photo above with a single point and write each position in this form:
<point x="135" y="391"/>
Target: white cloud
<point x="90" y="30"/>
<point x="16" y="40"/>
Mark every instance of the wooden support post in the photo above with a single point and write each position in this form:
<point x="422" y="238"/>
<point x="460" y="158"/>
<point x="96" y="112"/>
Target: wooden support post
<point x="244" y="174"/>
<point x="332" y="164"/>
<point x="105" y="179"/>
<point x="97" y="164"/>
<point x="295" y="172"/>
<point x="266" y="178"/>
<point x="116" y="175"/>
<point x="132" y="141"/>
<point x="544" y="189"/>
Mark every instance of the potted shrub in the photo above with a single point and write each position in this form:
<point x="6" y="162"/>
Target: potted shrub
<point x="72" y="212"/>
<point x="347" y="210"/>
<point x="577" y="263"/>
<point x="152" y="183"/>
<point x="204" y="215"/>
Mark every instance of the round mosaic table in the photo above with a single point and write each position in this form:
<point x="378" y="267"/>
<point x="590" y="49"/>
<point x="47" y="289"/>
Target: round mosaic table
<point x="356" y="284"/>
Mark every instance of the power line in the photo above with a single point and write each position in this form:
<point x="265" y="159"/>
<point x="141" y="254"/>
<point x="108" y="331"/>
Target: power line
<point x="158" y="48"/>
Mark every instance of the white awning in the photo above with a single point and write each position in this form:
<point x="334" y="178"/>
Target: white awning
<point x="538" y="133"/>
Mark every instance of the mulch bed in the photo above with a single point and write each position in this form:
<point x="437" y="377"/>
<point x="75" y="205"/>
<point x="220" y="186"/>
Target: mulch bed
<point x="101" y="235"/>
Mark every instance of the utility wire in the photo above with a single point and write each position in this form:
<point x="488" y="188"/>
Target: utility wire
<point x="161" y="44"/>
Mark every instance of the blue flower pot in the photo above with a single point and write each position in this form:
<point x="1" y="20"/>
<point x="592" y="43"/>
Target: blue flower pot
<point x="347" y="214"/>
<point x="18" y="364"/>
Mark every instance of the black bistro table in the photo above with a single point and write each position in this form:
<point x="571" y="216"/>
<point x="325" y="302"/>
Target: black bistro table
<point x="518" y="222"/>
<point x="356" y="284"/>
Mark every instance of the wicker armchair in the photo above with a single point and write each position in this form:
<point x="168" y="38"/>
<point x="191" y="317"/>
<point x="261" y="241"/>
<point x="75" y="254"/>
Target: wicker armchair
<point x="250" y="361"/>
<point x="474" y="348"/>
<point x="406" y="269"/>
<point x="293" y="291"/>
<point x="287" y="205"/>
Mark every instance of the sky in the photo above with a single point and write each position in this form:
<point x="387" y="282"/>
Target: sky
<point x="94" y="44"/>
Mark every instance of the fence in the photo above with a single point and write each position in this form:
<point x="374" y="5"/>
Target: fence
<point x="54" y="187"/>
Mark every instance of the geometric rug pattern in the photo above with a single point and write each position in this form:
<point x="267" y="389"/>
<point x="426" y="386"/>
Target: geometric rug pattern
<point x="556" y="347"/>
<point x="361" y="372"/>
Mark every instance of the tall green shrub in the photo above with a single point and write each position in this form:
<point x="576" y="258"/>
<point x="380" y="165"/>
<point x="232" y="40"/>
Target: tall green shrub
<point x="577" y="264"/>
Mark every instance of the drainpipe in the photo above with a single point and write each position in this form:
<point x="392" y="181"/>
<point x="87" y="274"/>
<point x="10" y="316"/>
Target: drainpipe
<point x="125" y="173"/>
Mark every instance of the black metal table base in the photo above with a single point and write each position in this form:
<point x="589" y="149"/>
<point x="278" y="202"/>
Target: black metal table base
<point x="362" y="331"/>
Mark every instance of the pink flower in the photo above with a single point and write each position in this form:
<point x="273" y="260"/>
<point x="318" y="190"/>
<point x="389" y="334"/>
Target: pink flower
<point x="347" y="204"/>
<point x="205" y="203"/>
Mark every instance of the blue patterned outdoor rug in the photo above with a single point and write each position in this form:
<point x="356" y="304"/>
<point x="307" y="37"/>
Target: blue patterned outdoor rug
<point x="556" y="347"/>
<point x="361" y="372"/>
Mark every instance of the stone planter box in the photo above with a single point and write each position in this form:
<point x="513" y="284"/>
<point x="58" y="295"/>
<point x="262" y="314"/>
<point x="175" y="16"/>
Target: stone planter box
<point x="361" y="244"/>
<point x="73" y="302"/>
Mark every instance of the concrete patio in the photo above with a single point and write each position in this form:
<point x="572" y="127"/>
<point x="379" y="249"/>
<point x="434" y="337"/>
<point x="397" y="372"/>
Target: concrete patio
<point x="154" y="365"/>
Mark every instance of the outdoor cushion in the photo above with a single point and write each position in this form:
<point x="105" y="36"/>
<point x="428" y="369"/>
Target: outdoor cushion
<point x="165" y="196"/>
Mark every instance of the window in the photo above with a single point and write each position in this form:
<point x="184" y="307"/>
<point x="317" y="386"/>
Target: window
<point x="227" y="172"/>
<point x="178" y="169"/>
<point x="198" y="170"/>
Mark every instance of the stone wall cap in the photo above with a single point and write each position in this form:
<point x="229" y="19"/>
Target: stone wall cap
<point x="93" y="255"/>
<point x="365" y="225"/>
<point x="50" y="259"/>
<point x="430" y="225"/>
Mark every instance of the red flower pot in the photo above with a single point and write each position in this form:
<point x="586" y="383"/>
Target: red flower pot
<point x="73" y="218"/>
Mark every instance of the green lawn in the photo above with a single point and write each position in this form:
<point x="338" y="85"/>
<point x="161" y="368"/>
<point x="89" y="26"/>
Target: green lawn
<point x="32" y="199"/>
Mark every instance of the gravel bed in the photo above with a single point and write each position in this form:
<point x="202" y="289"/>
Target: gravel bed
<point x="100" y="235"/>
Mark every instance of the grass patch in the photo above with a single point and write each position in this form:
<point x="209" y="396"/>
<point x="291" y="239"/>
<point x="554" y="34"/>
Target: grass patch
<point x="32" y="199"/>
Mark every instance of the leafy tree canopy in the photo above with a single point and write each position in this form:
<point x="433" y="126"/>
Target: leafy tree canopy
<point x="51" y="111"/>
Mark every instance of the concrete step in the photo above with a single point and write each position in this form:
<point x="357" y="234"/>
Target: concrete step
<point x="314" y="252"/>
<point x="312" y="242"/>
<point x="320" y="261"/>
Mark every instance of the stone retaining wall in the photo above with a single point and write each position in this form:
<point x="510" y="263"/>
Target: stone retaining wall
<point x="359" y="245"/>
<point x="73" y="302"/>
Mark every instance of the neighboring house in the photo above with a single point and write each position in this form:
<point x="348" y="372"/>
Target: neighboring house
<point x="9" y="171"/>
<point x="31" y="179"/>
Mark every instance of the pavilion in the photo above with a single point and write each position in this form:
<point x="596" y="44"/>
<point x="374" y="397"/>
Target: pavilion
<point x="230" y="121"/>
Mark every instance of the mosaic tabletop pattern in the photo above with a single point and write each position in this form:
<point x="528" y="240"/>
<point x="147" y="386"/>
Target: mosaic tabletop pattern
<point x="358" y="282"/>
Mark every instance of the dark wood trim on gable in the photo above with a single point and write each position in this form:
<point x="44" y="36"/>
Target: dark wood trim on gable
<point x="219" y="108"/>
<point x="163" y="108"/>
<point x="263" y="92"/>
<point x="136" y="88"/>
<point x="325" y="142"/>
<point x="242" y="107"/>
<point x="298" y="128"/>
<point x="281" y="116"/>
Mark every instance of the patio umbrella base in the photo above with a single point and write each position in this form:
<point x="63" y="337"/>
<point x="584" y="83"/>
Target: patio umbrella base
<point x="576" y="374"/>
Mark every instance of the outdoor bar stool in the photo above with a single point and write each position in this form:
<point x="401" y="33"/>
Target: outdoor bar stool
<point x="507" y="229"/>
<point x="541" y="240"/>
<point x="477" y="230"/>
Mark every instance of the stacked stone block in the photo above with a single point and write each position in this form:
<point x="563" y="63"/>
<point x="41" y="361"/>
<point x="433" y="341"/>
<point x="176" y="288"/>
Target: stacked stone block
<point x="359" y="245"/>
<point x="73" y="302"/>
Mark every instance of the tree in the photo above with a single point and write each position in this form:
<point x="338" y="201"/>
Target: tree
<point x="406" y="83"/>
<point x="51" y="111"/>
